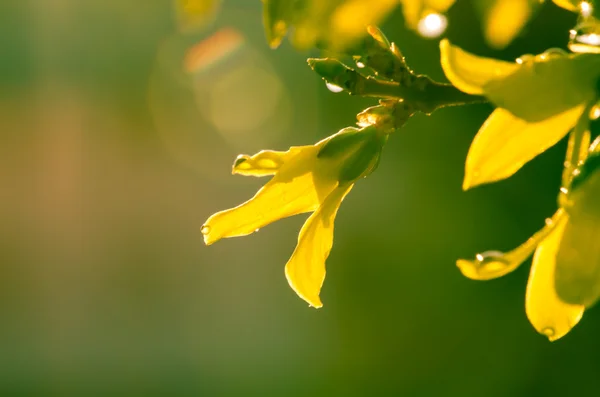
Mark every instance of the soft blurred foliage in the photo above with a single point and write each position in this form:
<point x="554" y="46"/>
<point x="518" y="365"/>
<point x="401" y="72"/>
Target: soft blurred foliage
<point x="119" y="124"/>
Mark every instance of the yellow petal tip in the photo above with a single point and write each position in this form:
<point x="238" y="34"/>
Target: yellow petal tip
<point x="317" y="304"/>
<point x="205" y="230"/>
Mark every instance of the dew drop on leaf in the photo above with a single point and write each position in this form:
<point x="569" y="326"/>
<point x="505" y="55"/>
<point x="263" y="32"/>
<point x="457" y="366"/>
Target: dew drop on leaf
<point x="333" y="87"/>
<point x="525" y="58"/>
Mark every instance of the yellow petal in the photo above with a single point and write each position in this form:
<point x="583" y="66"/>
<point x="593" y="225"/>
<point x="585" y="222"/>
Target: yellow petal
<point x="470" y="73"/>
<point x="350" y="19"/>
<point x="305" y="271"/>
<point x="505" y="143"/>
<point x="505" y="20"/>
<point x="263" y="163"/>
<point x="578" y="258"/>
<point x="570" y="5"/>
<point x="293" y="190"/>
<point x="493" y="264"/>
<point x="547" y="313"/>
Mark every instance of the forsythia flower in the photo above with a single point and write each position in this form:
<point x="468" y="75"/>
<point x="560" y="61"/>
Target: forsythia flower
<point x="539" y="100"/>
<point x="306" y="179"/>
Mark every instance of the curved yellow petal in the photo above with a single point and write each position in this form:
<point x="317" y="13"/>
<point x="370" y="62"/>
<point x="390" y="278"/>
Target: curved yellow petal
<point x="504" y="21"/>
<point x="470" y="73"/>
<point x="505" y="143"/>
<point x="263" y="163"/>
<point x="305" y="271"/>
<point x="293" y="190"/>
<point x="349" y="20"/>
<point x="493" y="264"/>
<point x="547" y="313"/>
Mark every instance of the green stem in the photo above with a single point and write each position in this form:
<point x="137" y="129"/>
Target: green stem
<point x="426" y="94"/>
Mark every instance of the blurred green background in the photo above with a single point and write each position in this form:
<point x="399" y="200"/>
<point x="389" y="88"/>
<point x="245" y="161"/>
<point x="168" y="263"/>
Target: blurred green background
<point x="116" y="142"/>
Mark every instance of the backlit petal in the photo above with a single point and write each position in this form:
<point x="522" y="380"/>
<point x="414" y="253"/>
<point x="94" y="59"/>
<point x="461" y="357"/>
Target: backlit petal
<point x="548" y="314"/>
<point x="570" y="5"/>
<point x="293" y="190"/>
<point x="305" y="270"/>
<point x="504" y="21"/>
<point x="505" y="143"/>
<point x="493" y="264"/>
<point x="470" y="73"/>
<point x="263" y="163"/>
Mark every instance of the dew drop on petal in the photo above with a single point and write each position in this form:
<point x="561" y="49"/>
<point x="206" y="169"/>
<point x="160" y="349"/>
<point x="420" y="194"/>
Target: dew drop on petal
<point x="595" y="112"/>
<point x="333" y="87"/>
<point x="489" y="264"/>
<point x="548" y="331"/>
<point x="525" y="58"/>
<point x="585" y="38"/>
<point x="205" y="229"/>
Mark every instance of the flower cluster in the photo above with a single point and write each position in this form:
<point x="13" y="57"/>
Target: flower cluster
<point x="313" y="178"/>
<point x="540" y="99"/>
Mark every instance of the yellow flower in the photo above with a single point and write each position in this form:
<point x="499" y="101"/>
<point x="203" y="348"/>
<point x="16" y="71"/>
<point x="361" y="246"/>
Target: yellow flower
<point x="548" y="314"/>
<point x="313" y="179"/>
<point x="538" y="98"/>
<point x="565" y="272"/>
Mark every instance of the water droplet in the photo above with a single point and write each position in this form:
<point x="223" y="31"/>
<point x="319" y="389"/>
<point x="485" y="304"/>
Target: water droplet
<point x="432" y="25"/>
<point x="360" y="64"/>
<point x="205" y="229"/>
<point x="552" y="53"/>
<point x="585" y="37"/>
<point x="333" y="87"/>
<point x="595" y="112"/>
<point x="256" y="230"/>
<point x="564" y="190"/>
<point x="548" y="221"/>
<point x="586" y="9"/>
<point x="487" y="265"/>
<point x="548" y="331"/>
<point x="525" y="58"/>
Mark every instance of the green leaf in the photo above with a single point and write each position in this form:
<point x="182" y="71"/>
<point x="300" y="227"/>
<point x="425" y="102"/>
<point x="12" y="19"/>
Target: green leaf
<point x="547" y="84"/>
<point x="578" y="258"/>
<point x="342" y="142"/>
<point x="364" y="161"/>
<point x="357" y="150"/>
